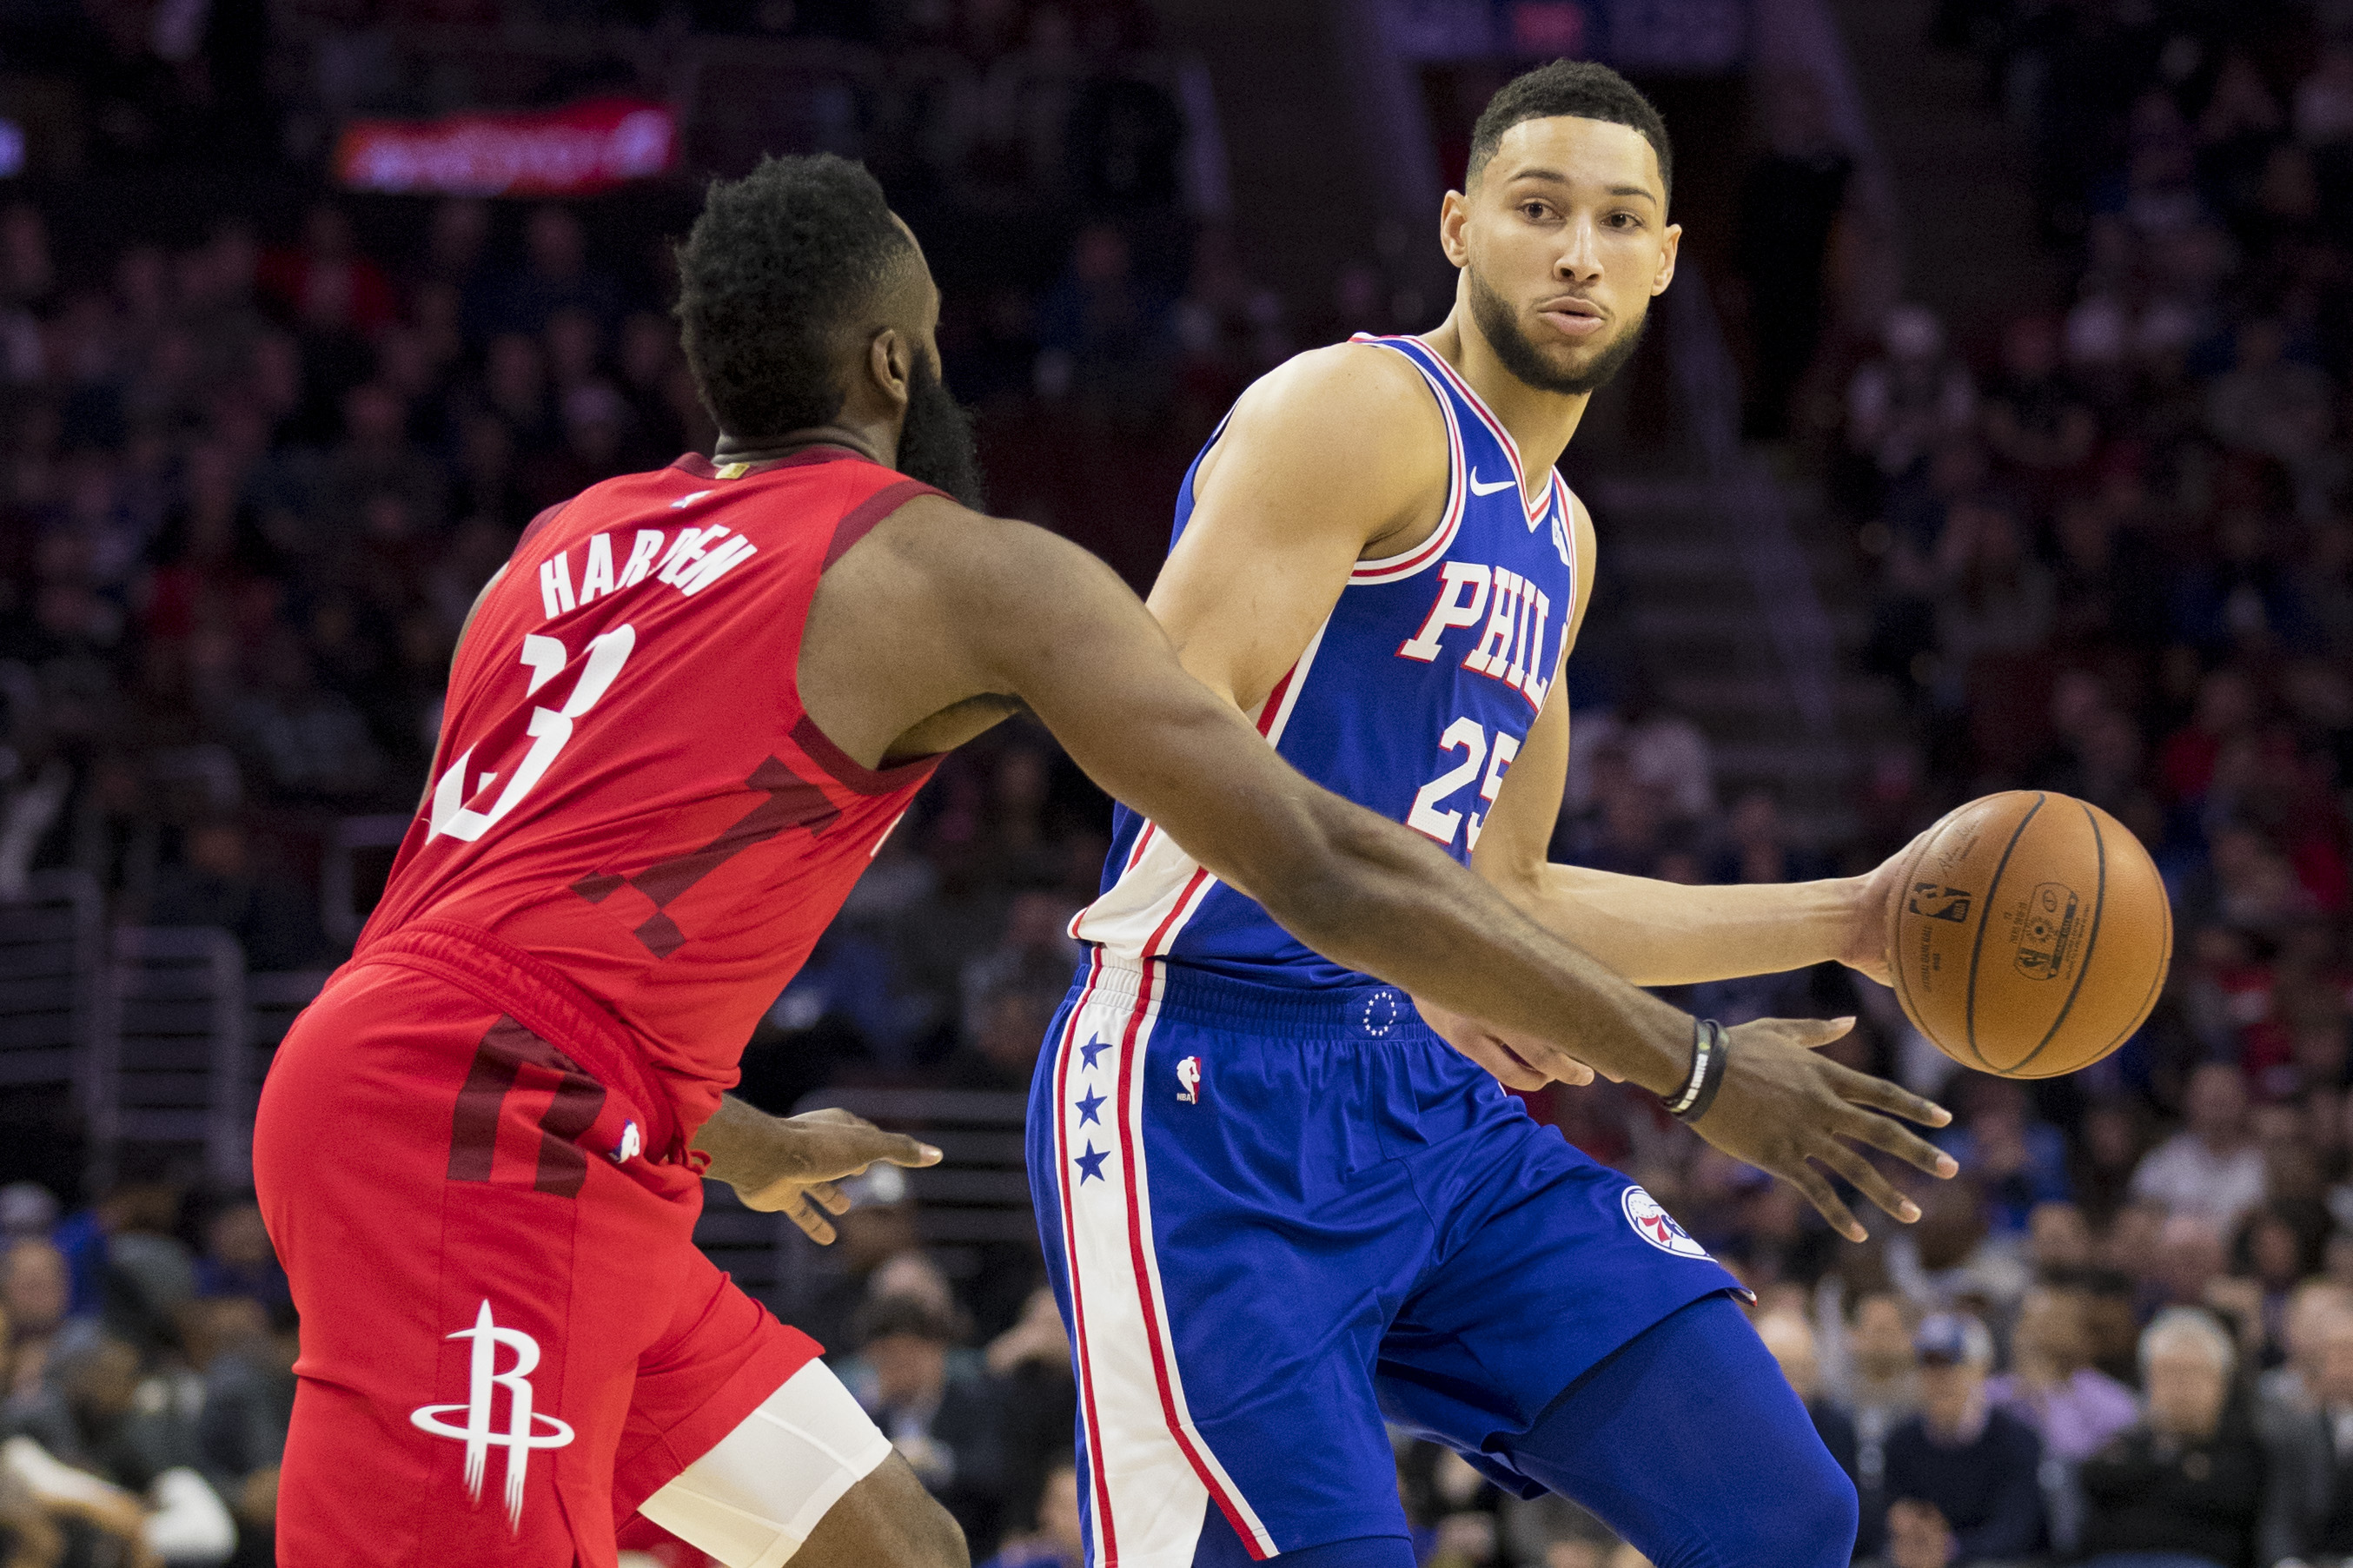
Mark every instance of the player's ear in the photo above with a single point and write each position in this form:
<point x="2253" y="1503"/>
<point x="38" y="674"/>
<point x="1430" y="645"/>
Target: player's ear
<point x="1673" y="236"/>
<point x="889" y="360"/>
<point x="1452" y="213"/>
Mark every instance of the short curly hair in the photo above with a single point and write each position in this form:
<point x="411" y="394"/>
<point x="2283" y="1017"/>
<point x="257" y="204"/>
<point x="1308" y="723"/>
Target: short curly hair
<point x="778" y="264"/>
<point x="1582" y="90"/>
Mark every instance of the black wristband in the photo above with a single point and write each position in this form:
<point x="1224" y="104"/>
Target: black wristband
<point x="1711" y="1048"/>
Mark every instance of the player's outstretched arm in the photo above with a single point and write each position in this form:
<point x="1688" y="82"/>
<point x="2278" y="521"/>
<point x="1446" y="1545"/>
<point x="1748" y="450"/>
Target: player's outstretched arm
<point x="975" y="606"/>
<point x="1656" y="933"/>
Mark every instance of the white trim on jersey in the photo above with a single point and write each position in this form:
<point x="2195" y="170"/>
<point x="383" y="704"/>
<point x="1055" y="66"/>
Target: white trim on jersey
<point x="1406" y="564"/>
<point x="1534" y="512"/>
<point x="1160" y="876"/>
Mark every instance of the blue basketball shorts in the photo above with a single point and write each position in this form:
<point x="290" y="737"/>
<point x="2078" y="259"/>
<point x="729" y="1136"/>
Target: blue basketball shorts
<point x="1276" y="1219"/>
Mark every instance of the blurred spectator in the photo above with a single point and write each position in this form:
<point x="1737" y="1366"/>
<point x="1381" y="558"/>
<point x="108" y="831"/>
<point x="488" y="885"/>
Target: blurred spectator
<point x="2211" y="1168"/>
<point x="96" y="1414"/>
<point x="1104" y="334"/>
<point x="938" y="1408"/>
<point x="2053" y="1387"/>
<point x="2185" y="1487"/>
<point x="1790" y="1339"/>
<point x="1032" y="1363"/>
<point x="218" y="884"/>
<point x="26" y="1209"/>
<point x="878" y="1228"/>
<point x="1962" y="1476"/>
<point x="238" y="1259"/>
<point x="248" y="1402"/>
<point x="1663" y="751"/>
<point x="2313" y="1311"/>
<point x="35" y="1291"/>
<point x="1900" y="405"/>
<point x="1057" y="1542"/>
<point x="2016" y="1160"/>
<point x="1791" y="199"/>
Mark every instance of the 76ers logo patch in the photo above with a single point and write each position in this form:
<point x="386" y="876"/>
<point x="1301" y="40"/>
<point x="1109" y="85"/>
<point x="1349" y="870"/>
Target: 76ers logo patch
<point x="1656" y="1226"/>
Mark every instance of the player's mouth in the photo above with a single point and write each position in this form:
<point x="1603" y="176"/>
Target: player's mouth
<point x="1571" y="317"/>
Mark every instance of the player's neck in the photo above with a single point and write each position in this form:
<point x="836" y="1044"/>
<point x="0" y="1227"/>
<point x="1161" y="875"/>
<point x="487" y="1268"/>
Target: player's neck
<point x="767" y="450"/>
<point x="1541" y="422"/>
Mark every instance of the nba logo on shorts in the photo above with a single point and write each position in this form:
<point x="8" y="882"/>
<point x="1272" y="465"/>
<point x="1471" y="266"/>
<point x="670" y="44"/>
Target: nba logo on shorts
<point x="1656" y="1226"/>
<point x="1189" y="1073"/>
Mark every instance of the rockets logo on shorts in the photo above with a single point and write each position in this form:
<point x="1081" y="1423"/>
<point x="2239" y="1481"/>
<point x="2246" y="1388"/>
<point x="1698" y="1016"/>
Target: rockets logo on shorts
<point x="479" y="1434"/>
<point x="1654" y="1224"/>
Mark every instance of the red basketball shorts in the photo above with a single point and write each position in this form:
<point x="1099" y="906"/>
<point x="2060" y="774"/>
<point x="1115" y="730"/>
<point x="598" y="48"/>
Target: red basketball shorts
<point x="508" y="1338"/>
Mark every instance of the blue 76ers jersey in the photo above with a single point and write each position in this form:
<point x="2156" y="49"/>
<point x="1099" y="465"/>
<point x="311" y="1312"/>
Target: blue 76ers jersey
<point x="1411" y="699"/>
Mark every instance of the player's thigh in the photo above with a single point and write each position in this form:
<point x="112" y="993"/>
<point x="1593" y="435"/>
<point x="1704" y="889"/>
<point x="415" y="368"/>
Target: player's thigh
<point x="1551" y="1262"/>
<point x="1224" y="1239"/>
<point x="475" y="1292"/>
<point x="722" y="1359"/>
<point x="1690" y="1444"/>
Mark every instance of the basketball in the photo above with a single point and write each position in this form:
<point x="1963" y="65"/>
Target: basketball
<point x="2031" y="934"/>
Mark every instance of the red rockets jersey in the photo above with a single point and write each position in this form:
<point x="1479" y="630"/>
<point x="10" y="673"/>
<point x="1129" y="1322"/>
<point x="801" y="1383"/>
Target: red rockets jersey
<point x="627" y="787"/>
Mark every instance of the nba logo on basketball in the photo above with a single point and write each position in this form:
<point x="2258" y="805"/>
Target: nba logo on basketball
<point x="1189" y="1075"/>
<point x="1938" y="902"/>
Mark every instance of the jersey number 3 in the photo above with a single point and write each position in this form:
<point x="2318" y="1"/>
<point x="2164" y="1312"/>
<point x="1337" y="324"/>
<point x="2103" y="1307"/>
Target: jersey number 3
<point x="1469" y="737"/>
<point x="550" y="729"/>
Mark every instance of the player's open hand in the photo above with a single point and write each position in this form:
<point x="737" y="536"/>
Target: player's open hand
<point x="1785" y="1110"/>
<point x="1526" y="1067"/>
<point x="791" y="1165"/>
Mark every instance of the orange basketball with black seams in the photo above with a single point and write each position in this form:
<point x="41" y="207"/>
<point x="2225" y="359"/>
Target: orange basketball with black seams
<point x="2031" y="934"/>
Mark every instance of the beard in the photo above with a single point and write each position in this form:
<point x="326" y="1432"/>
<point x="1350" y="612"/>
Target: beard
<point x="1501" y="327"/>
<point x="936" y="445"/>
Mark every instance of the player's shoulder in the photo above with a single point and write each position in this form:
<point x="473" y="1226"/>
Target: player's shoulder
<point x="1350" y="387"/>
<point x="1353" y="423"/>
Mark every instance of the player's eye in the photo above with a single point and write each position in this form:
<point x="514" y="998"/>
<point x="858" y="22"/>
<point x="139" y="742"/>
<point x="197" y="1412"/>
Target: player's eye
<point x="1535" y="211"/>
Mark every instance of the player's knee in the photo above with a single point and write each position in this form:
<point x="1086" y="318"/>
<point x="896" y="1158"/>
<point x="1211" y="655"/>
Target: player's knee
<point x="933" y="1539"/>
<point x="1812" y="1523"/>
<point x="887" y="1519"/>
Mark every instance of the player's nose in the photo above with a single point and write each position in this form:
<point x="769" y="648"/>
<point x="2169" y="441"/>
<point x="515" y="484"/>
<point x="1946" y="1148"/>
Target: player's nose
<point x="1580" y="256"/>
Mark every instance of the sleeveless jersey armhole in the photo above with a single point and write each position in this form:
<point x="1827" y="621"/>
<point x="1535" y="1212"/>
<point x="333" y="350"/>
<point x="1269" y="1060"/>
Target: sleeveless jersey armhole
<point x="866" y="515"/>
<point x="1407" y="563"/>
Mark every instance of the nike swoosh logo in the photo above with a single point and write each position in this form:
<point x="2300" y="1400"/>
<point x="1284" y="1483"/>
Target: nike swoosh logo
<point x="1478" y="489"/>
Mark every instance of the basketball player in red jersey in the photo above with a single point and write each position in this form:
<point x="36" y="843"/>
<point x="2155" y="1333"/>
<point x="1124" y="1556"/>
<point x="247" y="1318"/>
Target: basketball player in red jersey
<point x="681" y="720"/>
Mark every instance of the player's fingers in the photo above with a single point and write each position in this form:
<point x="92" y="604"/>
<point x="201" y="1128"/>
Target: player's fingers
<point x="814" y="1226"/>
<point x="775" y="1195"/>
<point x="1891" y="1098"/>
<point x="1552" y="1065"/>
<point x="901" y="1149"/>
<point x="832" y="1199"/>
<point x="1505" y="1064"/>
<point x="1810" y="1182"/>
<point x="848" y="1151"/>
<point x="1813" y="1033"/>
<point x="1893" y="1137"/>
<point x="1867" y="1179"/>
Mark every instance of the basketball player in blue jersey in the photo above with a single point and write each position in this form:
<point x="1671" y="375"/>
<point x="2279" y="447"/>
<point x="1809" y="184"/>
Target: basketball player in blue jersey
<point x="1281" y="1203"/>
